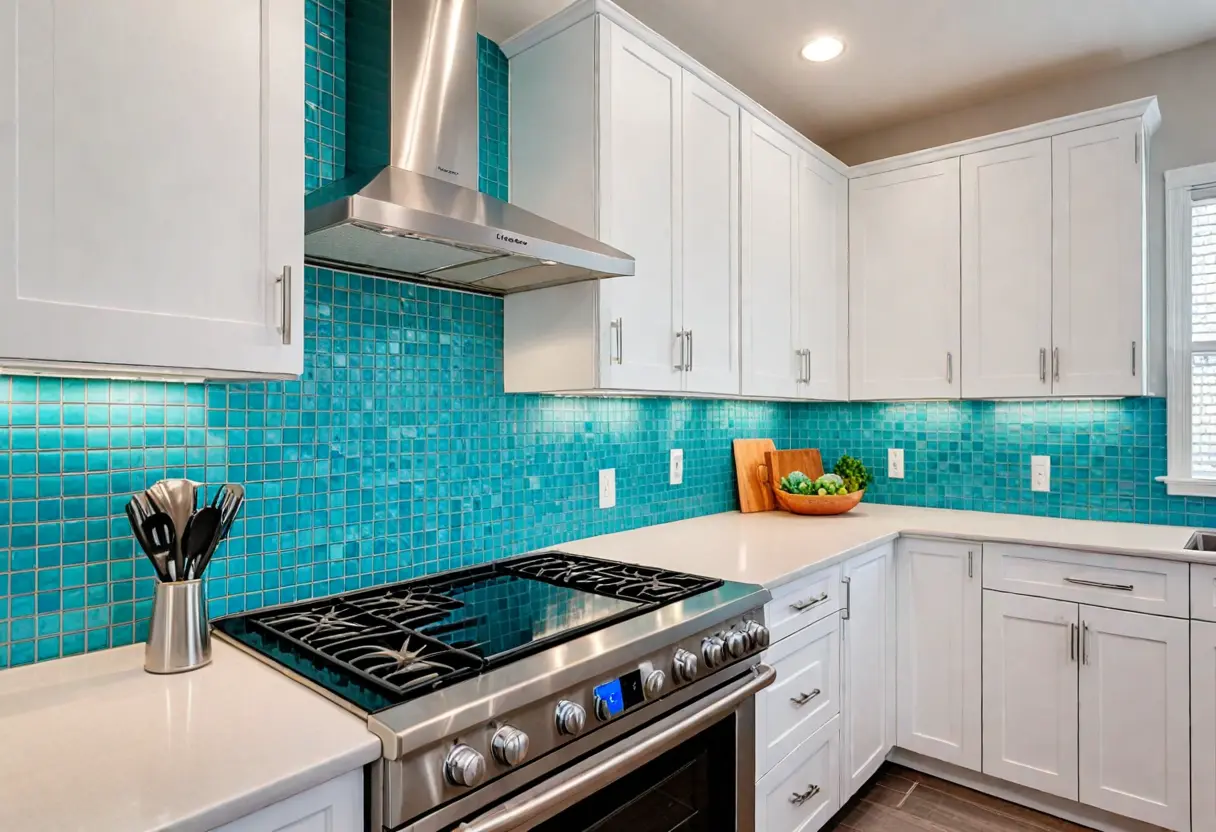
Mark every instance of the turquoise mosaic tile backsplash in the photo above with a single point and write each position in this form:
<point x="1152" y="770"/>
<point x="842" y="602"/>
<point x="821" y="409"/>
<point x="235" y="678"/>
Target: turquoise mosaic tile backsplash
<point x="397" y="454"/>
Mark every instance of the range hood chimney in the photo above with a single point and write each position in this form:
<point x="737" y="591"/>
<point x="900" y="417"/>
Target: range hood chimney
<point x="422" y="216"/>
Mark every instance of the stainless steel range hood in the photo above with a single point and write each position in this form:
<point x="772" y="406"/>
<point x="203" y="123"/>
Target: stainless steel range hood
<point x="422" y="215"/>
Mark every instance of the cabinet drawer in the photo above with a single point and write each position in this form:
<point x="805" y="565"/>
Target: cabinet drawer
<point x="1123" y="582"/>
<point x="1203" y="592"/>
<point x="806" y="694"/>
<point x="803" y="792"/>
<point x="803" y="602"/>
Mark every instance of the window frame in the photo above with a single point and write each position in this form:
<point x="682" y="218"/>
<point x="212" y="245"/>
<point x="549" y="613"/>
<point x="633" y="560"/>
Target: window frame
<point x="1180" y="479"/>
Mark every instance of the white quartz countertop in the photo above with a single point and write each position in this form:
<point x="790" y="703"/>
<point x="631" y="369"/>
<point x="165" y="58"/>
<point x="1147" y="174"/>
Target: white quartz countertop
<point x="93" y="743"/>
<point x="772" y="548"/>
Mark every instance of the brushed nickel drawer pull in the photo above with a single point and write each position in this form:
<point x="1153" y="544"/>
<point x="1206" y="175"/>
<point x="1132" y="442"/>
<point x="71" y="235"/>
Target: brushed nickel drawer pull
<point x="1100" y="584"/>
<point x="799" y="798"/>
<point x="803" y="606"/>
<point x="802" y="698"/>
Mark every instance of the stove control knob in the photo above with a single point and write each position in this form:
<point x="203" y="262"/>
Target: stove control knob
<point x="571" y="718"/>
<point x="510" y="746"/>
<point x="464" y="767"/>
<point x="757" y="633"/>
<point x="652" y="686"/>
<point x="601" y="709"/>
<point x="712" y="650"/>
<point x="684" y="667"/>
<point x="736" y="644"/>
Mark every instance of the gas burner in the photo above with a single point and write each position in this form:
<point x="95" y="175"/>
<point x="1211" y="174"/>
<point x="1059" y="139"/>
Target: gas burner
<point x="414" y="662"/>
<point x="619" y="580"/>
<point x="318" y="627"/>
<point x="407" y="607"/>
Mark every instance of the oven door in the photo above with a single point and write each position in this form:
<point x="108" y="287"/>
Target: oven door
<point x="688" y="770"/>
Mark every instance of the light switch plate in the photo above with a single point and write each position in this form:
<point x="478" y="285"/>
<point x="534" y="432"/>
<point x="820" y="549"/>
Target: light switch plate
<point x="677" y="466"/>
<point x="607" y="488"/>
<point x="895" y="463"/>
<point x="1040" y="473"/>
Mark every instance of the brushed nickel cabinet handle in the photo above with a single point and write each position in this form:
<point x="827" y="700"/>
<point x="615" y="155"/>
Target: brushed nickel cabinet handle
<point x="1133" y="359"/>
<point x="949" y="368"/>
<point x="1084" y="642"/>
<point x="1072" y="642"/>
<point x="798" y="798"/>
<point x="802" y="698"/>
<point x="284" y="281"/>
<point x="848" y="597"/>
<point x="970" y="565"/>
<point x="688" y="337"/>
<point x="682" y="364"/>
<point x="1055" y="364"/>
<point x="617" y="326"/>
<point x="803" y="606"/>
<point x="1043" y="364"/>
<point x="1100" y="584"/>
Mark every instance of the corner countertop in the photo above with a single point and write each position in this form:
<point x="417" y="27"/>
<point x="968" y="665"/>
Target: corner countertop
<point x="772" y="548"/>
<point x="94" y="743"/>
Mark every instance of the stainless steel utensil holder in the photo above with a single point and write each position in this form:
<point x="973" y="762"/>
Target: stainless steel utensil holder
<point x="179" y="638"/>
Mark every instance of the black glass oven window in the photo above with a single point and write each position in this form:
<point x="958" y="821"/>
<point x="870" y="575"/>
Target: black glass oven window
<point x="690" y="789"/>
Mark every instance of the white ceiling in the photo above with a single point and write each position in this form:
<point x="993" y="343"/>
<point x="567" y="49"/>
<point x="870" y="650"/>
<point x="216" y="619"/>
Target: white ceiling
<point x="904" y="58"/>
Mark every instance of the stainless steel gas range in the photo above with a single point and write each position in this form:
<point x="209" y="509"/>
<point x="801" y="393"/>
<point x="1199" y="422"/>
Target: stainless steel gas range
<point x="549" y="691"/>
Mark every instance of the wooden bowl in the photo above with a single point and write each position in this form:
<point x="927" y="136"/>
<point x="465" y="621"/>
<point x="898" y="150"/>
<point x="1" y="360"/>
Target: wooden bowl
<point x="814" y="504"/>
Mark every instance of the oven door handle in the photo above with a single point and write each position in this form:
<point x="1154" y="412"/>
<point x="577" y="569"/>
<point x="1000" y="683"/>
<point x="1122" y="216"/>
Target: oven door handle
<point x="513" y="814"/>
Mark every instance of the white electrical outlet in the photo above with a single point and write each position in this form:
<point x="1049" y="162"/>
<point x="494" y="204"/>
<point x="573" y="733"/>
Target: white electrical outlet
<point x="895" y="463"/>
<point x="607" y="488"/>
<point x="1040" y="473"/>
<point x="677" y="466"/>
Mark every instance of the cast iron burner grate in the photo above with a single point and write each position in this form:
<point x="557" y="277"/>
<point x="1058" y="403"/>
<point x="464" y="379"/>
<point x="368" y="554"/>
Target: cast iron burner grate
<point x="620" y="580"/>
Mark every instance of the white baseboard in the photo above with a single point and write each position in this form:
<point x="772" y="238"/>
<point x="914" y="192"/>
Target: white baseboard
<point x="1048" y="804"/>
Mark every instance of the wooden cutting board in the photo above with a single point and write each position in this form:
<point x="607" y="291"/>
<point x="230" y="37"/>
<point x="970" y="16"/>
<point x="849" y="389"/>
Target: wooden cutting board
<point x="782" y="463"/>
<point x="755" y="494"/>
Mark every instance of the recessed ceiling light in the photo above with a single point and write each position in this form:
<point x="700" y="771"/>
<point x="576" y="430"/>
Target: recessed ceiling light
<point x="823" y="49"/>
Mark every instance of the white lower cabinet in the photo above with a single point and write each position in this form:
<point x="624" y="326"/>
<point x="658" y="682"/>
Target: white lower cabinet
<point x="1030" y="692"/>
<point x="802" y="792"/>
<point x="939" y="595"/>
<point x="334" y="806"/>
<point x="868" y="659"/>
<point x="1134" y="716"/>
<point x="1203" y="725"/>
<point x="806" y="694"/>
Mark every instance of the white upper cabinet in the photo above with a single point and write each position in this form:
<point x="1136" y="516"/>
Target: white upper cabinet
<point x="772" y="364"/>
<point x="152" y="160"/>
<point x="1099" y="260"/>
<point x="1006" y="263"/>
<point x="640" y="113"/>
<point x="710" y="288"/>
<point x="939" y="595"/>
<point x="904" y="283"/>
<point x="823" y="285"/>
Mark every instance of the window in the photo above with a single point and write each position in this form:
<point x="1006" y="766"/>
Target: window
<point x="1191" y="298"/>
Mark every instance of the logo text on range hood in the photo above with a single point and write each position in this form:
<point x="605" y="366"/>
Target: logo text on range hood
<point x="421" y="216"/>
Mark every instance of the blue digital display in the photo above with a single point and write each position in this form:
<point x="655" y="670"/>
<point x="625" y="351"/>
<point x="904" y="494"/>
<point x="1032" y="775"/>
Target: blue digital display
<point x="610" y="692"/>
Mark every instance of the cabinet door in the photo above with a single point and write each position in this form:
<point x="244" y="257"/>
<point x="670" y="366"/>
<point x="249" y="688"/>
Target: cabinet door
<point x="867" y="699"/>
<point x="939" y="596"/>
<point x="770" y="262"/>
<point x="1098" y="260"/>
<point x="904" y="283"/>
<point x="1135" y="716"/>
<point x="1030" y="692"/>
<point x="335" y="806"/>
<point x="640" y="212"/>
<point x="1203" y="724"/>
<point x="153" y="162"/>
<point x="1006" y="257"/>
<point x="711" y="239"/>
<point x="823" y="285"/>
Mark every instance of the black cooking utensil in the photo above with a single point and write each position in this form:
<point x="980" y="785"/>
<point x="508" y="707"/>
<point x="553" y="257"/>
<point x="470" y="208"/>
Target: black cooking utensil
<point x="159" y="561"/>
<point x="201" y="531"/>
<point x="230" y="497"/>
<point x="161" y="537"/>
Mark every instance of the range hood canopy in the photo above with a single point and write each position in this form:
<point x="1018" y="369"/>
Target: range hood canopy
<point x="422" y="216"/>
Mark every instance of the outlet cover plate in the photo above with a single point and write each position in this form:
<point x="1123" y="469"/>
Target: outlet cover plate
<point x="895" y="463"/>
<point x="1040" y="473"/>
<point x="607" y="488"/>
<point x="677" y="466"/>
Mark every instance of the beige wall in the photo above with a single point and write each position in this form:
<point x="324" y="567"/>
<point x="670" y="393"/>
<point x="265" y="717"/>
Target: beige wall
<point x="1185" y="85"/>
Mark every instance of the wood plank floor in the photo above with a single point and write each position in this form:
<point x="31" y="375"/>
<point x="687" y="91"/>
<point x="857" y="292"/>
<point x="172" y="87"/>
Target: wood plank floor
<point x="901" y="800"/>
